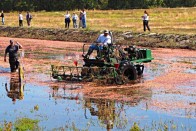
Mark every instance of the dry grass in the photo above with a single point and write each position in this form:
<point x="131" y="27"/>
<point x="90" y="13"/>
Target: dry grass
<point x="162" y="20"/>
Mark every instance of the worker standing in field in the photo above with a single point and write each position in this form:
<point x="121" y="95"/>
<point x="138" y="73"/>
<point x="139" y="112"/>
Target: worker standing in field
<point x="67" y="19"/>
<point x="83" y="18"/>
<point x="28" y="18"/>
<point x="75" y="19"/>
<point x="20" y="19"/>
<point x="2" y="18"/>
<point x="145" y="18"/>
<point x="12" y="49"/>
<point x="80" y="21"/>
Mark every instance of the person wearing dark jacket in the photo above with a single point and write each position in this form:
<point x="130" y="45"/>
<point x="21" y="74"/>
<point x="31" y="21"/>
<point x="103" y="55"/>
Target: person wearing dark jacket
<point x="12" y="49"/>
<point x="28" y="18"/>
<point x="2" y="18"/>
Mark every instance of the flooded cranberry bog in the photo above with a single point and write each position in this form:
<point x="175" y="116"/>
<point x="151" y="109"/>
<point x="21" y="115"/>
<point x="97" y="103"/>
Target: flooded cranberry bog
<point x="164" y="98"/>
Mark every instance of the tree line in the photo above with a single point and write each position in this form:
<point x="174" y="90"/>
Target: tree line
<point x="60" y="5"/>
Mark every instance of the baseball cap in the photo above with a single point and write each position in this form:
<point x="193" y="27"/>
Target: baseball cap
<point x="106" y="31"/>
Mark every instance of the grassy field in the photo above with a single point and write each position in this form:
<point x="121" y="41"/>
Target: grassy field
<point x="162" y="20"/>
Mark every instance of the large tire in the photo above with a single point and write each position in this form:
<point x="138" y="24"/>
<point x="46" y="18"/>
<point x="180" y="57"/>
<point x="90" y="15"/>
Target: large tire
<point x="128" y="71"/>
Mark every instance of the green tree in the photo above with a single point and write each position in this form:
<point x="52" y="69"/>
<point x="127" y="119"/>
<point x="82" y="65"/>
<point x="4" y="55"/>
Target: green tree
<point x="54" y="5"/>
<point x="6" y="5"/>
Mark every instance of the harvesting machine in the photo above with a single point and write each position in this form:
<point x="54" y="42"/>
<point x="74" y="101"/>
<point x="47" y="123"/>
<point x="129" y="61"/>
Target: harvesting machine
<point x="115" y="64"/>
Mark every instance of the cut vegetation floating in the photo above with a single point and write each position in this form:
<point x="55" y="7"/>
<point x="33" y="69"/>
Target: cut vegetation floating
<point x="163" y="98"/>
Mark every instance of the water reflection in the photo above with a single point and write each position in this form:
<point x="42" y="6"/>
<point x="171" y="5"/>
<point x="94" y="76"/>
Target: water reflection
<point x="61" y="93"/>
<point x="103" y="109"/>
<point x="110" y="112"/>
<point x="16" y="89"/>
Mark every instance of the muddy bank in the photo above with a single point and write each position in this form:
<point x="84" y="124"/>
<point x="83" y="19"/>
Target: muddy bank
<point x="129" y="38"/>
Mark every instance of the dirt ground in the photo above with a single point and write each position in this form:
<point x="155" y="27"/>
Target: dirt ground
<point x="172" y="73"/>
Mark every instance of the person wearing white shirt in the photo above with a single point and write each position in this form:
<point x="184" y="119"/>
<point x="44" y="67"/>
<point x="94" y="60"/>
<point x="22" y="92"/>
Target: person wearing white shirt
<point x="103" y="40"/>
<point x="145" y="18"/>
<point x="67" y="19"/>
<point x="75" y="19"/>
<point x="20" y="19"/>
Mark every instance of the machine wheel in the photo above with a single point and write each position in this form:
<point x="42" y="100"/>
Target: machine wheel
<point x="128" y="71"/>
